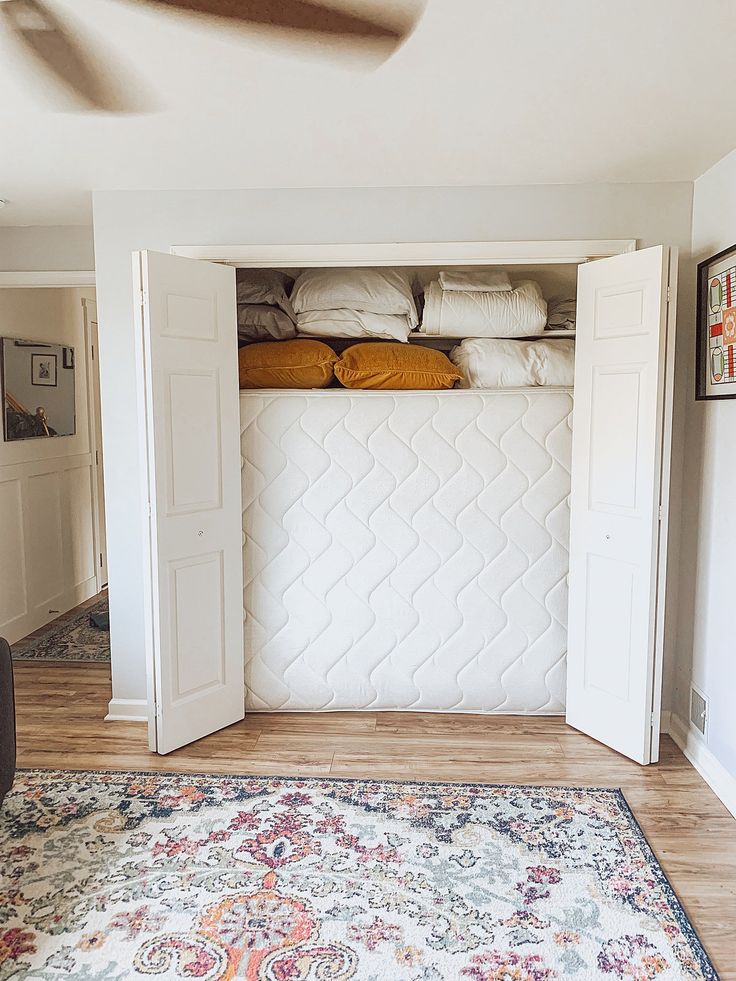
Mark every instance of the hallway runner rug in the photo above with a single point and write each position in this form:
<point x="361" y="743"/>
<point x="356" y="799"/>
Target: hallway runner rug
<point x="68" y="639"/>
<point x="125" y="875"/>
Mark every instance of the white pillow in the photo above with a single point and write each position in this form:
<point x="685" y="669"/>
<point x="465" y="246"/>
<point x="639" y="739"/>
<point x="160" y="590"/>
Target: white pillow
<point x="261" y="286"/>
<point x="353" y="323"/>
<point x="475" y="281"/>
<point x="372" y="290"/>
<point x="554" y="362"/>
<point x="497" y="363"/>
<point x="262" y="322"/>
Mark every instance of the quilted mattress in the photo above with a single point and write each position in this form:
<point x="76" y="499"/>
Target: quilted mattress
<point x="406" y="550"/>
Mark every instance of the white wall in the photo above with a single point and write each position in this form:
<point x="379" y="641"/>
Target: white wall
<point x="706" y="642"/>
<point x="46" y="492"/>
<point x="46" y="247"/>
<point x="129" y="220"/>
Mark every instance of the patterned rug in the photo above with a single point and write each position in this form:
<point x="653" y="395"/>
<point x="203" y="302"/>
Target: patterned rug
<point x="111" y="876"/>
<point x="73" y="640"/>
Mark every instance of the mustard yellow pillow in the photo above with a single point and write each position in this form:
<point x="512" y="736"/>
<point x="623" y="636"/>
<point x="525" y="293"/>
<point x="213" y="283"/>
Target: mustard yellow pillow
<point x="286" y="364"/>
<point x="395" y="366"/>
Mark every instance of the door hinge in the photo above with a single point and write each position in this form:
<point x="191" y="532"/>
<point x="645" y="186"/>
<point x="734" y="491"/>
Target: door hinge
<point x="97" y="457"/>
<point x="100" y="559"/>
<point x="660" y="513"/>
<point x="669" y="294"/>
<point x="149" y="510"/>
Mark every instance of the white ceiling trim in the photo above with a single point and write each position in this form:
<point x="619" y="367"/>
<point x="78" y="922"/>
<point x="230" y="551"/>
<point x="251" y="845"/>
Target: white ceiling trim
<point x="55" y="279"/>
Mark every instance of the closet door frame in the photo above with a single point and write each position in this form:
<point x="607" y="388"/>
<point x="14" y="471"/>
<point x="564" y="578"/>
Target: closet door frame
<point x="418" y="254"/>
<point x="410" y="253"/>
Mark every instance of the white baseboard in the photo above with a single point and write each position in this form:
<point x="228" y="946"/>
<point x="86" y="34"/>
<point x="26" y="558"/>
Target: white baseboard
<point x="714" y="773"/>
<point x="127" y="710"/>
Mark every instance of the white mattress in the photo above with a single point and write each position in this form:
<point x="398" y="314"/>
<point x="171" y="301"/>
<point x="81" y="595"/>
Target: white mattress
<point x="406" y="550"/>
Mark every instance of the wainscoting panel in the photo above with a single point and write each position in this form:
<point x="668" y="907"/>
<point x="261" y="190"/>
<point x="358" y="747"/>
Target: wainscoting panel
<point x="48" y="541"/>
<point x="14" y="591"/>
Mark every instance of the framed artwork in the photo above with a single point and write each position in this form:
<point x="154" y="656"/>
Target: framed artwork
<point x="67" y="357"/>
<point x="43" y="370"/>
<point x="716" y="327"/>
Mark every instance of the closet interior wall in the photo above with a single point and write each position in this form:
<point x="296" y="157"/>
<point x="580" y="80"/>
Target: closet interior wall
<point x="407" y="550"/>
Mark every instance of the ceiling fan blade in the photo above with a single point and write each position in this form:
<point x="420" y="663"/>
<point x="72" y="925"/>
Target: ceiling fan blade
<point x="305" y="16"/>
<point x="44" y="37"/>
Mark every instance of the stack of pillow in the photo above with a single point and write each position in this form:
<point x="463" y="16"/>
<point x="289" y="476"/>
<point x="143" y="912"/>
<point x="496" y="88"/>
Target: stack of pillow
<point x="375" y="303"/>
<point x="264" y="309"/>
<point x="374" y="366"/>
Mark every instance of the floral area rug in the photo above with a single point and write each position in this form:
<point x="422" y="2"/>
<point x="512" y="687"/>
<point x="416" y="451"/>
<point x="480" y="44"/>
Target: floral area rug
<point x="73" y="640"/>
<point x="127" y="875"/>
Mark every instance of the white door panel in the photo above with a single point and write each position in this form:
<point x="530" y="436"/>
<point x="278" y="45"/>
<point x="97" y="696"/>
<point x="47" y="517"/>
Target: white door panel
<point x="193" y="454"/>
<point x="622" y="375"/>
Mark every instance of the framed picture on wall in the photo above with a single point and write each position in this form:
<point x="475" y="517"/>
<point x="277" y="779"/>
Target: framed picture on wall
<point x="43" y="370"/>
<point x="716" y="327"/>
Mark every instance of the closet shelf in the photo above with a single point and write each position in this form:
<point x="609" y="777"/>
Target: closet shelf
<point x="439" y="341"/>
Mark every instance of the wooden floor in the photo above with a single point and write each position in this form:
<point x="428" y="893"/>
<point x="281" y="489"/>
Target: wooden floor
<point x="60" y="725"/>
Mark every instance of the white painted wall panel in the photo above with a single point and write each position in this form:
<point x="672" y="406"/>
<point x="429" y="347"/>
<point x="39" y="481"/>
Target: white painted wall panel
<point x="13" y="595"/>
<point x="42" y="509"/>
<point x="77" y="510"/>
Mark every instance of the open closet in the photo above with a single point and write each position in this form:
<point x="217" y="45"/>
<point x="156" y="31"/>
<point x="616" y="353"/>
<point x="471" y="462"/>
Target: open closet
<point x="491" y="544"/>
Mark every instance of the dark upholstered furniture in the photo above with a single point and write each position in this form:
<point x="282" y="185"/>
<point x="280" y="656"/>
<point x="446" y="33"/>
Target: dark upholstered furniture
<point x="7" y="720"/>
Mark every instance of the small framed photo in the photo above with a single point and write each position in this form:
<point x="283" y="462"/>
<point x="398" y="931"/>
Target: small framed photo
<point x="43" y="369"/>
<point x="67" y="357"/>
<point x="716" y="327"/>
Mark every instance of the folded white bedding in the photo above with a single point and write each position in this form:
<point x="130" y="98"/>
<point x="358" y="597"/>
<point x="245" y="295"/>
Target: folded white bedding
<point x="475" y="281"/>
<point x="496" y="363"/>
<point x="353" y="323"/>
<point x="378" y="291"/>
<point x="502" y="313"/>
<point x="261" y="322"/>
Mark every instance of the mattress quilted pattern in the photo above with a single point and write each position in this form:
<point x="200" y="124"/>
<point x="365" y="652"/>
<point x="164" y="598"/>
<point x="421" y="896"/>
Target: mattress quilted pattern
<point x="406" y="550"/>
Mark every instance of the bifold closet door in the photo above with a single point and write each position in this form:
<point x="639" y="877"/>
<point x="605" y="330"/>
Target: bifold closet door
<point x="194" y="587"/>
<point x="618" y="505"/>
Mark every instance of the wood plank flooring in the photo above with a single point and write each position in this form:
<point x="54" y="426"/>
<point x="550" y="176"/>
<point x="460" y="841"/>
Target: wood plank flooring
<point x="60" y="725"/>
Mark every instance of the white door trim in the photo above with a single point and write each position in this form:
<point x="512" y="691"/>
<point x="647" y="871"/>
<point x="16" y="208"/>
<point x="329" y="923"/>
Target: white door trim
<point x="95" y="437"/>
<point x="409" y="253"/>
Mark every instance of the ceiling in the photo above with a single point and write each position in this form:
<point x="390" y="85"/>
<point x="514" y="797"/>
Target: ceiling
<point x="483" y="92"/>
